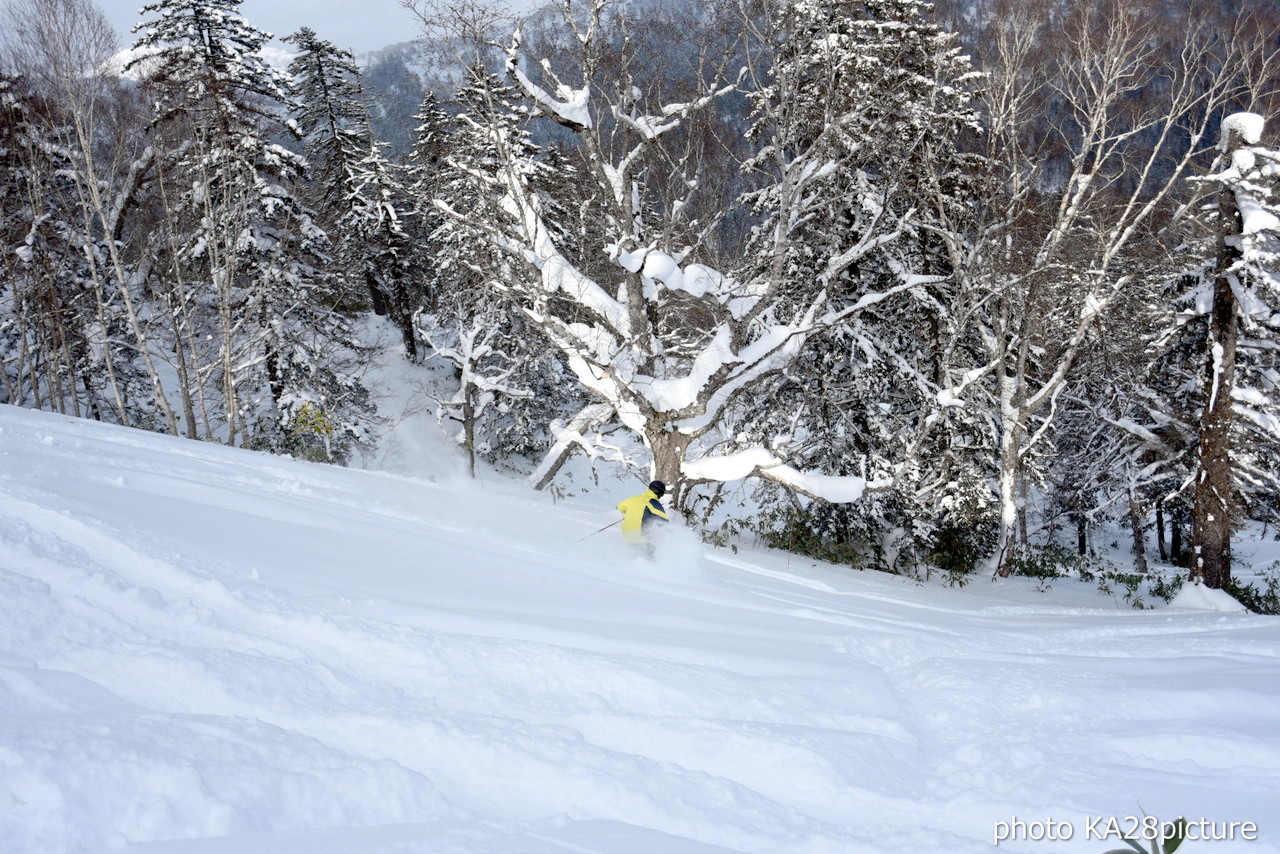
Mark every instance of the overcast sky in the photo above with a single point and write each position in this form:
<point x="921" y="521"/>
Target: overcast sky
<point x="359" y="25"/>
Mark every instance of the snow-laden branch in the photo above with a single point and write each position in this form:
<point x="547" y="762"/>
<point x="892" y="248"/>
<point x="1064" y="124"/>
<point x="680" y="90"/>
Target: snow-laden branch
<point x="1149" y="439"/>
<point x="568" y="106"/>
<point x="474" y="345"/>
<point x="582" y="433"/>
<point x="695" y="400"/>
<point x="651" y="127"/>
<point x="557" y="273"/>
<point x="759" y="462"/>
<point x="612" y="330"/>
<point x="1094" y="306"/>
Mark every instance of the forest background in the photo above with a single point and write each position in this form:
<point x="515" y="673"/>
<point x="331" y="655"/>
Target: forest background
<point x="952" y="286"/>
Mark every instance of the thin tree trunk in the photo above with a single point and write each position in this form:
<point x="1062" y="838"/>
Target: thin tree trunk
<point x="469" y="427"/>
<point x="184" y="373"/>
<point x="1010" y="444"/>
<point x="1160" y="539"/>
<point x="381" y="306"/>
<point x="1175" y="540"/>
<point x="93" y="208"/>
<point x="1024" y="539"/>
<point x="1211" y="520"/>
<point x="94" y="411"/>
<point x="1136" y="516"/>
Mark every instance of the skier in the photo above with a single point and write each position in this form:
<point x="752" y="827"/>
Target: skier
<point x="640" y="512"/>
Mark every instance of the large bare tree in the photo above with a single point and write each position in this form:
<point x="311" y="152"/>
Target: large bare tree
<point x="666" y="339"/>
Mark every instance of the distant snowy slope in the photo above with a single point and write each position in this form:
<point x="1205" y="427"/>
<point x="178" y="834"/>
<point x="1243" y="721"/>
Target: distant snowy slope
<point x="211" y="650"/>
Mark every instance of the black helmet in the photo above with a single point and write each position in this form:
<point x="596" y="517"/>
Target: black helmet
<point x="659" y="488"/>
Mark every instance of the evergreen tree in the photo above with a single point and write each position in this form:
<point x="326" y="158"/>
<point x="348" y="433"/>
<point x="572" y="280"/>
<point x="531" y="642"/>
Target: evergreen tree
<point x="859" y="120"/>
<point x="394" y="91"/>
<point x="424" y="170"/>
<point x="357" y="194"/>
<point x="243" y="239"/>
<point x="510" y="383"/>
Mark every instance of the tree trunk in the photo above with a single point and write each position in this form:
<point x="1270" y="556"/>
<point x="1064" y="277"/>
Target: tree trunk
<point x="94" y="411"/>
<point x="1164" y="552"/>
<point x="1211" y="519"/>
<point x="668" y="457"/>
<point x="1024" y="539"/>
<point x="1175" y="539"/>
<point x="469" y="428"/>
<point x="184" y="378"/>
<point x="1135" y="524"/>
<point x="1010" y="444"/>
<point x="381" y="306"/>
<point x="403" y="312"/>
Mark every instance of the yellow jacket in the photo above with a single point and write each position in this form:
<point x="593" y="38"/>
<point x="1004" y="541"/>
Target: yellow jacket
<point x="639" y="511"/>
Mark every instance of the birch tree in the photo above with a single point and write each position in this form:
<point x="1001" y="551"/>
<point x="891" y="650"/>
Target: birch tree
<point x="1052" y="255"/>
<point x="52" y="350"/>
<point x="63" y="48"/>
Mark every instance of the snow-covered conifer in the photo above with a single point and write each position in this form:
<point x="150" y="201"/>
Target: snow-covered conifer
<point x="358" y="194"/>
<point x="244" y="244"/>
<point x="1238" y="390"/>
<point x="511" y="384"/>
<point x="858" y="115"/>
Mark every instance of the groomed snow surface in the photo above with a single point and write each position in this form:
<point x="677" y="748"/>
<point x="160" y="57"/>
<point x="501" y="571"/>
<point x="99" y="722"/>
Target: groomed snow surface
<point x="206" y="650"/>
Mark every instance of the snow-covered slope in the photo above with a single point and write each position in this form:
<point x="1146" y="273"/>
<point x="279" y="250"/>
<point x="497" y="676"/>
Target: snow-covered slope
<point x="211" y="650"/>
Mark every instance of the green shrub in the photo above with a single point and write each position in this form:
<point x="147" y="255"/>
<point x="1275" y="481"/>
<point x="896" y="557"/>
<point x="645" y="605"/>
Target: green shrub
<point x="1261" y="599"/>
<point x="1164" y="837"/>
<point x="958" y="549"/>
<point x="1052" y="561"/>
<point x="1166" y="589"/>
<point x="794" y="532"/>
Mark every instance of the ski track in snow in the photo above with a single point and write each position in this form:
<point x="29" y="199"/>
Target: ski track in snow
<point x="212" y="650"/>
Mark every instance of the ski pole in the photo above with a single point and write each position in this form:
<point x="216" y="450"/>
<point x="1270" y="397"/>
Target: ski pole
<point x="605" y="528"/>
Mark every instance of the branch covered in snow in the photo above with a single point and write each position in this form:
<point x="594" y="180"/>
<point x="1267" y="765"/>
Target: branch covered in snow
<point x="568" y="106"/>
<point x="759" y="462"/>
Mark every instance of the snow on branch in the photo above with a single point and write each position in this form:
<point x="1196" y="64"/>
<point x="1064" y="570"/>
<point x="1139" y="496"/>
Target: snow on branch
<point x="1248" y="125"/>
<point x="651" y="127"/>
<point x="568" y="106"/>
<point x="582" y="432"/>
<point x="1149" y="440"/>
<point x="759" y="462"/>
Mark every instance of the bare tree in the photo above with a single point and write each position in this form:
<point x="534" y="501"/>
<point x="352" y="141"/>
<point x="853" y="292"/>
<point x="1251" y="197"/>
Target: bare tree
<point x="1055" y="252"/>
<point x="64" y="47"/>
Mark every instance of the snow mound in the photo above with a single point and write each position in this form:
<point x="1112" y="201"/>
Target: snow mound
<point x="1197" y="597"/>
<point x="1248" y="125"/>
